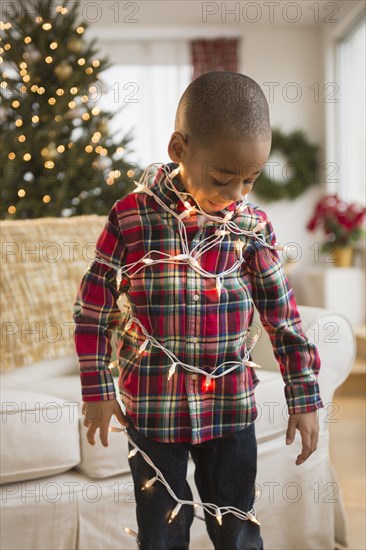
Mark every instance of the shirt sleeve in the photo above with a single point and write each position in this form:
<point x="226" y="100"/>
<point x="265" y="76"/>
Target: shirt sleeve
<point x="274" y="299"/>
<point x="96" y="314"/>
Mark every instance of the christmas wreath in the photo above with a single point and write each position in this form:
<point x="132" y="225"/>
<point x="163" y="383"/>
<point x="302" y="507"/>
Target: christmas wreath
<point x="299" y="172"/>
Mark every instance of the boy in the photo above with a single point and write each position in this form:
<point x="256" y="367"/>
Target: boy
<point x="195" y="256"/>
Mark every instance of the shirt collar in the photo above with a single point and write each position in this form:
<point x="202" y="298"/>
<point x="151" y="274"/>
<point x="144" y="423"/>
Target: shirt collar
<point x="159" y="186"/>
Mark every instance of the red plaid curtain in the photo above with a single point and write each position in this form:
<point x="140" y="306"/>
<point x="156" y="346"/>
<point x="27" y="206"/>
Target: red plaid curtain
<point x="214" y="55"/>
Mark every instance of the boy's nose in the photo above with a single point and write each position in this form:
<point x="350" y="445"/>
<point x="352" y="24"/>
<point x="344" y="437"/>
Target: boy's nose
<point x="234" y="193"/>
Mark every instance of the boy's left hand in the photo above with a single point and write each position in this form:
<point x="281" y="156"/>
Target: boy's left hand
<point x="308" y="425"/>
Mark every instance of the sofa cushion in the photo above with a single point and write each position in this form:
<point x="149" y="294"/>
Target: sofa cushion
<point x="96" y="461"/>
<point x="42" y="370"/>
<point x="39" y="435"/>
<point x="47" y="257"/>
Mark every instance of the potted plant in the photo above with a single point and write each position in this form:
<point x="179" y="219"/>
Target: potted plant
<point x="342" y="225"/>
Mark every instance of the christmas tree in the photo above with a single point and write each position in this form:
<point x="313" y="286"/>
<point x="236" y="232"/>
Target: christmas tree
<point x="58" y="158"/>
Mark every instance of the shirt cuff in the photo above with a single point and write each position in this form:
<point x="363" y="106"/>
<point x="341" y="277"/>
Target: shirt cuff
<point x="97" y="385"/>
<point x="303" y="397"/>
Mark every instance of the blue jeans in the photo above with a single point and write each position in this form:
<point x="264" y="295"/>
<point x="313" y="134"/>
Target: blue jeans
<point x="225" y="471"/>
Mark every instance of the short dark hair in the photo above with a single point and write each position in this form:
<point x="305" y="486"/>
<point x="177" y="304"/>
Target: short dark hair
<point x="223" y="104"/>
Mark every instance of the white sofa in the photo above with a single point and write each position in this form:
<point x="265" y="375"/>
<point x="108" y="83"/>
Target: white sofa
<point x="59" y="492"/>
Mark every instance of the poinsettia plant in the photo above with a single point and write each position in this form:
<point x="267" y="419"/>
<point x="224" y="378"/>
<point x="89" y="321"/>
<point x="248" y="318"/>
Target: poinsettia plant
<point x="340" y="221"/>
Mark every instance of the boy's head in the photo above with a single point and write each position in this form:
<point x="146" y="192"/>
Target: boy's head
<point x="222" y="138"/>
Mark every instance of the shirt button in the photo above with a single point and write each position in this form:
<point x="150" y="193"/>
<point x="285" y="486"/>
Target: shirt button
<point x="194" y="376"/>
<point x="172" y="206"/>
<point x="196" y="297"/>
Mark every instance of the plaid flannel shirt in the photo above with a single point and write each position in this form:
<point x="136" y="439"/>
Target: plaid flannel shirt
<point x="185" y="313"/>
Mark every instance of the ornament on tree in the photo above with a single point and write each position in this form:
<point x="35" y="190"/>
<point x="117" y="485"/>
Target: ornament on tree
<point x="104" y="163"/>
<point x="28" y="177"/>
<point x="103" y="126"/>
<point x="74" y="45"/>
<point x="63" y="71"/>
<point x="32" y="55"/>
<point x="52" y="152"/>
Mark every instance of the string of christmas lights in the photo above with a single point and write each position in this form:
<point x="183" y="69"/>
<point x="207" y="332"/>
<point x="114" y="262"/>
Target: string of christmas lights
<point x="192" y="261"/>
<point x="191" y="258"/>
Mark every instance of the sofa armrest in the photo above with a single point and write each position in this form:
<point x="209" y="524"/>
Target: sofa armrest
<point x="333" y="335"/>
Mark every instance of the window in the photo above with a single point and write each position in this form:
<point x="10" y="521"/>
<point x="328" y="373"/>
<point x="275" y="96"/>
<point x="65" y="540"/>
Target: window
<point x="351" y="142"/>
<point x="149" y="95"/>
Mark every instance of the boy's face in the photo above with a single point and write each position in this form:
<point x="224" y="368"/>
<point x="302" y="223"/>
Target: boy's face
<point x="221" y="175"/>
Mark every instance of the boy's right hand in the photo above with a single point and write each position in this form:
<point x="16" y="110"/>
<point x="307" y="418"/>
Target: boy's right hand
<point x="98" y="414"/>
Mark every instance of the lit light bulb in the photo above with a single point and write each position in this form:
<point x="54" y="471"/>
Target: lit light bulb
<point x="127" y="326"/>
<point x="119" y="276"/>
<point x="252" y="518"/>
<point x="149" y="483"/>
<point x="228" y="217"/>
<point x="218" y="516"/>
<point x="252" y="364"/>
<point x="131" y="532"/>
<point x="175" y="512"/>
<point x="260" y="225"/>
<point x="143" y="347"/>
<point x="190" y="208"/>
<point x="218" y="285"/>
<point x="208" y="384"/>
<point x="172" y="370"/>
<point x="239" y="248"/>
<point x="174" y="173"/>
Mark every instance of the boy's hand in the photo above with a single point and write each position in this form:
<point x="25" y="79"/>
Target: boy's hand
<point x="308" y="425"/>
<point x="98" y="415"/>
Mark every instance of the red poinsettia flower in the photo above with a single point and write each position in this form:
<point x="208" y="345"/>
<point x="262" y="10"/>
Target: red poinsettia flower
<point x="340" y="221"/>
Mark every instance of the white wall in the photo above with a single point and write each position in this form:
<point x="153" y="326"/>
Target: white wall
<point x="290" y="56"/>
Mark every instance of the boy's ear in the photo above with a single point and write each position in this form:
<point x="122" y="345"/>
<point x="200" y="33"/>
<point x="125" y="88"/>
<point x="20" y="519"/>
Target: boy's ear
<point x="176" y="146"/>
